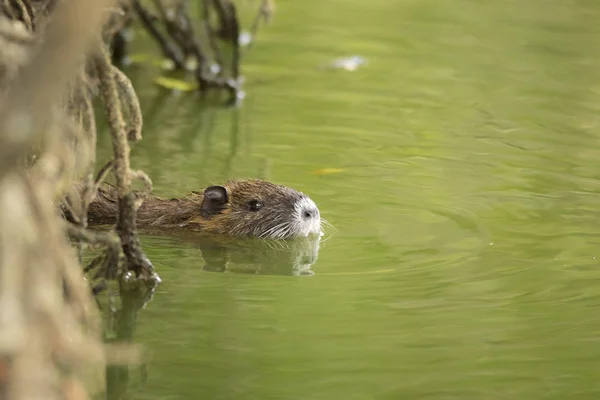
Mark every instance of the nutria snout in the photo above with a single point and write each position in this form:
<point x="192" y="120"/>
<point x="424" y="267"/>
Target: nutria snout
<point x="239" y="208"/>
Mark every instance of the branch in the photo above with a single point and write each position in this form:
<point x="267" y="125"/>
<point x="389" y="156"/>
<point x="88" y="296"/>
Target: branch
<point x="136" y="260"/>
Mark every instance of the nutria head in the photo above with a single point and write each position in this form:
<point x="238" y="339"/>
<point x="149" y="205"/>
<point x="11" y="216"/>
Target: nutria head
<point x="256" y="208"/>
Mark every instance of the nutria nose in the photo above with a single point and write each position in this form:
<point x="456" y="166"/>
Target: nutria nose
<point x="309" y="212"/>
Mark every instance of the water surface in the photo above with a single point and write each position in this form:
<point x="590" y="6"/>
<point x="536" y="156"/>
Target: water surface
<point x="467" y="208"/>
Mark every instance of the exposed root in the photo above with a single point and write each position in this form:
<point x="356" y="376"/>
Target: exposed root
<point x="49" y="324"/>
<point x="135" y="258"/>
<point x="52" y="63"/>
<point x="134" y="130"/>
<point x="174" y="32"/>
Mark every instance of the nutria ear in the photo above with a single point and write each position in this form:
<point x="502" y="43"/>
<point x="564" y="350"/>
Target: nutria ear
<point x="215" y="198"/>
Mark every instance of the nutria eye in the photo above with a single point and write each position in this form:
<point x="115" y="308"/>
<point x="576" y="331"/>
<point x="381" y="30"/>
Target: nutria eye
<point x="254" y="205"/>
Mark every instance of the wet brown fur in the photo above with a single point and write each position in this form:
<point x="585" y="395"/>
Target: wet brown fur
<point x="234" y="219"/>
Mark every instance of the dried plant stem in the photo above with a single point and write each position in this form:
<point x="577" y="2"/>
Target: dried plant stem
<point x="89" y="118"/>
<point x="36" y="88"/>
<point x="136" y="260"/>
<point x="48" y="320"/>
<point x="134" y="131"/>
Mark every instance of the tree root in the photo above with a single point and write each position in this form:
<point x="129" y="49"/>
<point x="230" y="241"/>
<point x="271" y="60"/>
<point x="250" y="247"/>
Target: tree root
<point x="50" y="71"/>
<point x="49" y="326"/>
<point x="110" y="80"/>
<point x="179" y="42"/>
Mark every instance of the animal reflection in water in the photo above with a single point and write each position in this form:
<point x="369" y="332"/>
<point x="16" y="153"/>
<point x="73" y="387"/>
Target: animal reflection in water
<point x="255" y="256"/>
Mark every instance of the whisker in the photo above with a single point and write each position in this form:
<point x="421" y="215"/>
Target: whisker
<point x="269" y="232"/>
<point x="326" y="234"/>
<point x="284" y="233"/>
<point x="326" y="239"/>
<point x="329" y="226"/>
<point x="270" y="244"/>
<point x="327" y="223"/>
<point x="288" y="232"/>
<point x="275" y="233"/>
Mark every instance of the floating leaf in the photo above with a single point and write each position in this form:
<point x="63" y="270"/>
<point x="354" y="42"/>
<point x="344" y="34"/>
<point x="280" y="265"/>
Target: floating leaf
<point x="176" y="84"/>
<point x="326" y="171"/>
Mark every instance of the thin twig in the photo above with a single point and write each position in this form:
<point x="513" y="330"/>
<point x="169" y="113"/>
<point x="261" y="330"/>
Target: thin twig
<point x="91" y="237"/>
<point x="210" y="33"/>
<point x="171" y="26"/>
<point x="235" y="40"/>
<point x="140" y="175"/>
<point x="180" y="28"/>
<point x="168" y="49"/>
<point x="108" y="261"/>
<point x="264" y="12"/>
<point x="104" y="171"/>
<point x="134" y="131"/>
<point x="230" y="29"/>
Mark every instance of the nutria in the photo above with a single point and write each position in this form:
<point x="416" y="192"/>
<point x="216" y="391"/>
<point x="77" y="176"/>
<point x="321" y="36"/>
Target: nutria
<point x="239" y="208"/>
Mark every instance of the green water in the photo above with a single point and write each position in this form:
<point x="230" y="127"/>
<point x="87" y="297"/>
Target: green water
<point x="463" y="264"/>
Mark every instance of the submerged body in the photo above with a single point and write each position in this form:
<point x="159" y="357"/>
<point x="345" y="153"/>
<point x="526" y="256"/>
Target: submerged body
<point x="239" y="208"/>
